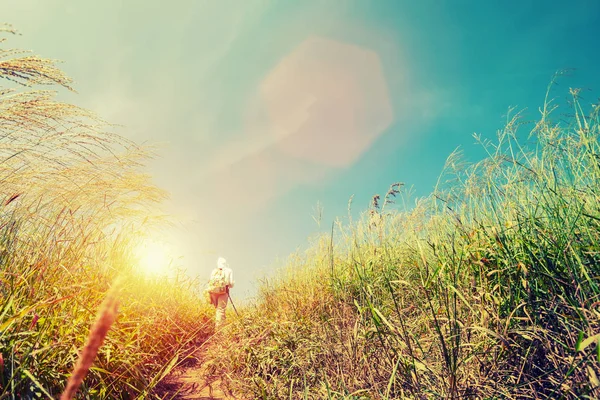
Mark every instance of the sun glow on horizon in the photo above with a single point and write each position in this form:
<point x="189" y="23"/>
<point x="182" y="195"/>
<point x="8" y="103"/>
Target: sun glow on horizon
<point x="154" y="258"/>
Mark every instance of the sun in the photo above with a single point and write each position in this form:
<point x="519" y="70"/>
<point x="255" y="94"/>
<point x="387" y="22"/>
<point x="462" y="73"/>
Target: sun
<point x="153" y="258"/>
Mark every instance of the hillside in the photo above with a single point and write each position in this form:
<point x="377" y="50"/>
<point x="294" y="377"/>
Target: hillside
<point x="487" y="288"/>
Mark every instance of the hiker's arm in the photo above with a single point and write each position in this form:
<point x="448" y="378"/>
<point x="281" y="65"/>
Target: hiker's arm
<point x="231" y="282"/>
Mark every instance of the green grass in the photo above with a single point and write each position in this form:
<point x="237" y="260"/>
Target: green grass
<point x="487" y="288"/>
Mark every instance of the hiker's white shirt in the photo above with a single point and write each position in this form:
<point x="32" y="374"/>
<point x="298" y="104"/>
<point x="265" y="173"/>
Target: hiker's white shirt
<point x="221" y="305"/>
<point x="222" y="263"/>
<point x="228" y="274"/>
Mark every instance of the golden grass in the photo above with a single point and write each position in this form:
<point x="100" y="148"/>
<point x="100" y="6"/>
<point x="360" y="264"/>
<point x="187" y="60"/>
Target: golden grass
<point x="73" y="194"/>
<point x="487" y="288"/>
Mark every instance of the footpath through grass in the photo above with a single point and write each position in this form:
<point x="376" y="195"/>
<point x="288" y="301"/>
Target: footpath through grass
<point x="487" y="288"/>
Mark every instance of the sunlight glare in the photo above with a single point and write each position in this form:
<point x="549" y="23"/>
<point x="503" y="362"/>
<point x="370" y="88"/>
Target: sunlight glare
<point x="154" y="258"/>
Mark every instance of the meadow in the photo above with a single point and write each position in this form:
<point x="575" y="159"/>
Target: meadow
<point x="486" y="288"/>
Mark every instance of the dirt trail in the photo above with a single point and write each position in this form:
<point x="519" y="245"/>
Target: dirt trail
<point x="192" y="383"/>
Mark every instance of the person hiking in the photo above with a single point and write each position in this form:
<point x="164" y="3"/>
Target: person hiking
<point x="221" y="280"/>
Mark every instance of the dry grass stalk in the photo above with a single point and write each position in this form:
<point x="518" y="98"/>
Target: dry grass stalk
<point x="106" y="317"/>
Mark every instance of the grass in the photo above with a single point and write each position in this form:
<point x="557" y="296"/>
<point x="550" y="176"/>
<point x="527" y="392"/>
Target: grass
<point x="72" y="195"/>
<point x="487" y="288"/>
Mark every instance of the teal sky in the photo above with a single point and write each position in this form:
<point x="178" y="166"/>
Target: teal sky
<point x="268" y="107"/>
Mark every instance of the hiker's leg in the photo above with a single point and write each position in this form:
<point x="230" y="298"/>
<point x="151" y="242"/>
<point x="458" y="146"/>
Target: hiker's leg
<point x="214" y="299"/>
<point x="221" y="306"/>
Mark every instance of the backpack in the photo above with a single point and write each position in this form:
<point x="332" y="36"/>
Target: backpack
<point x="217" y="283"/>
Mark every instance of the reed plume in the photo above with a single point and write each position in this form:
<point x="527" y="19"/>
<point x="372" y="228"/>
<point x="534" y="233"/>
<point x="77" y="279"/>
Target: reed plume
<point x="106" y="317"/>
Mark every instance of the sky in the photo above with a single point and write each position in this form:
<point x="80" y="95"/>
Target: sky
<point x="266" y="109"/>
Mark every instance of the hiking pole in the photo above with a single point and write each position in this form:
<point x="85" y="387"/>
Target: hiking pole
<point x="232" y="305"/>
